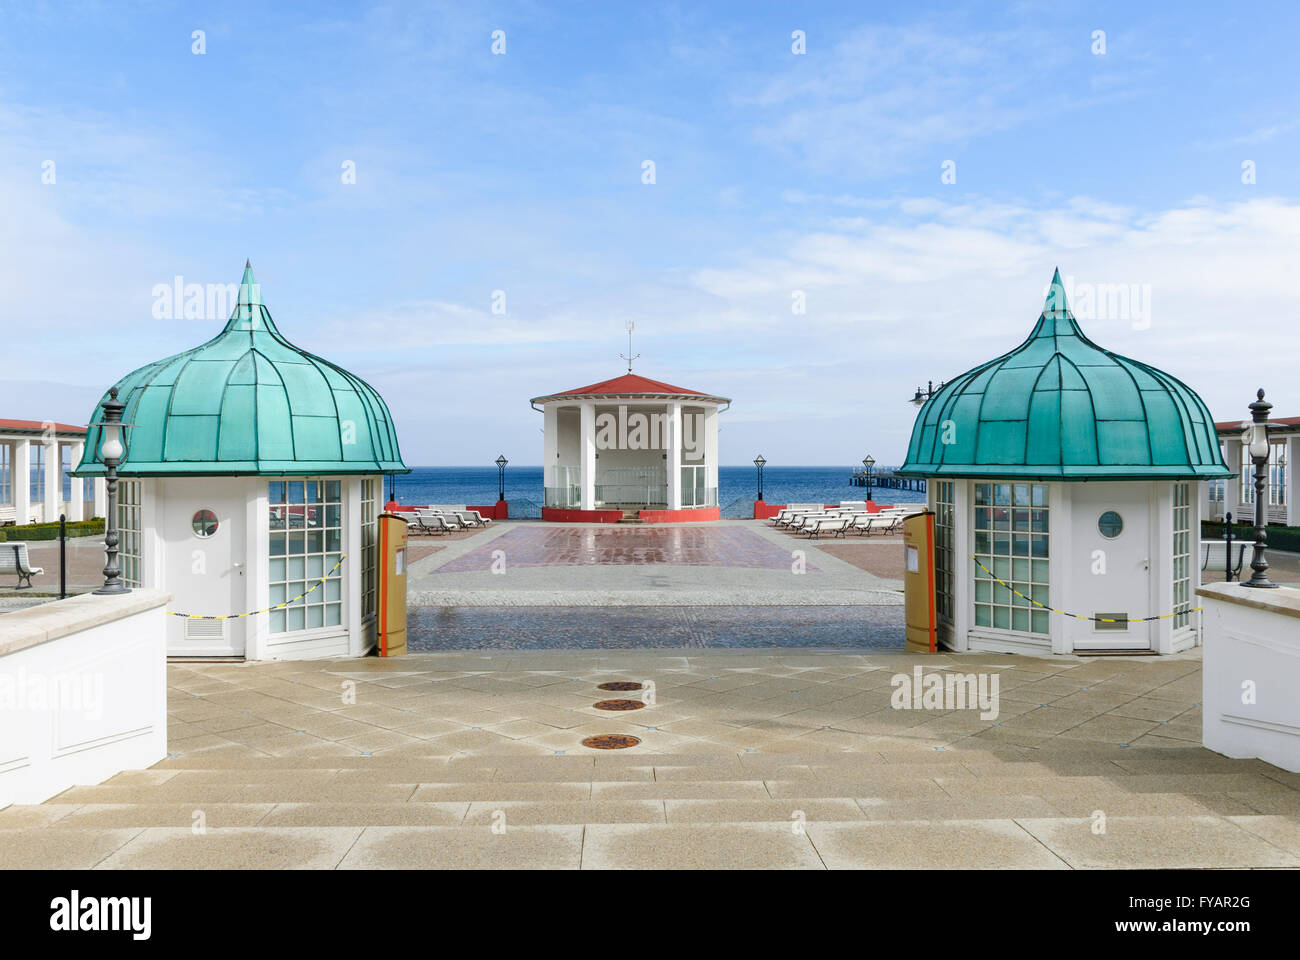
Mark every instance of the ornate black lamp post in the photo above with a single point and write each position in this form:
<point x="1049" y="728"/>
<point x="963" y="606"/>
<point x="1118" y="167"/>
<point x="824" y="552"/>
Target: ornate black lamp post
<point x="501" y="462"/>
<point x="918" y="400"/>
<point x="867" y="463"/>
<point x="1255" y="435"/>
<point x="111" y="451"/>
<point x="759" y="462"/>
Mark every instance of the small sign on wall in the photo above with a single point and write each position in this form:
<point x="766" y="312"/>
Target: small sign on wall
<point x="913" y="559"/>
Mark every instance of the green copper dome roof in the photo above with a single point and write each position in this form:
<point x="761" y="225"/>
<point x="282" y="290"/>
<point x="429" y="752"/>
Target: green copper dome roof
<point x="1060" y="407"/>
<point x="249" y="402"/>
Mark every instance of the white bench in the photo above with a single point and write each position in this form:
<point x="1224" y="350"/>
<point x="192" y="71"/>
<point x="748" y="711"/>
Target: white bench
<point x="1214" y="556"/>
<point x="14" y="559"/>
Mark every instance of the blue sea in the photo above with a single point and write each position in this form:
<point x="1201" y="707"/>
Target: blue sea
<point x="737" y="487"/>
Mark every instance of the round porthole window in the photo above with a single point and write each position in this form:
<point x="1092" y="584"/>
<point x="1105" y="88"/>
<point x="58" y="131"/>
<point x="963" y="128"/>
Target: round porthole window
<point x="1111" y="524"/>
<point x="204" y="523"/>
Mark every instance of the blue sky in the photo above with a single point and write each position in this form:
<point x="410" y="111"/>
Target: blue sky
<point x="775" y="173"/>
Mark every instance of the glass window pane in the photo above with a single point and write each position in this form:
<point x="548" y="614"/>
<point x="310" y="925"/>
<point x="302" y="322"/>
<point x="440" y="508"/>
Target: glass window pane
<point x="333" y="488"/>
<point x="1002" y="494"/>
<point x="1038" y="620"/>
<point x="333" y="615"/>
<point x="295" y="568"/>
<point x="1040" y="545"/>
<point x="1020" y="493"/>
<point x="1040" y="495"/>
<point x="315" y="565"/>
<point x="296" y="488"/>
<point x="1040" y="571"/>
<point x="276" y="570"/>
<point x="982" y="542"/>
<point x="277" y="621"/>
<point x="295" y="618"/>
<point x="333" y="589"/>
<point x="275" y="491"/>
<point x="315" y="541"/>
<point x="333" y="541"/>
<point x="277" y="593"/>
<point x="296" y="543"/>
<point x="1020" y="570"/>
<point x="983" y="616"/>
<point x="1020" y="620"/>
<point x="1002" y="617"/>
<point x="982" y="493"/>
<point x="315" y="616"/>
<point x="981" y="518"/>
<point x="277" y="544"/>
<point x="332" y="516"/>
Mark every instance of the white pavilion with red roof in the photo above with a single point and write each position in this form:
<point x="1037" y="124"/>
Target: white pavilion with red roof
<point x="630" y="448"/>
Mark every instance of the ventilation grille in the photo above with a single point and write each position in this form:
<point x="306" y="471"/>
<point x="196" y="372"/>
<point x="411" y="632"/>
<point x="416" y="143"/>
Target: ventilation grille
<point x="1118" y="621"/>
<point x="205" y="629"/>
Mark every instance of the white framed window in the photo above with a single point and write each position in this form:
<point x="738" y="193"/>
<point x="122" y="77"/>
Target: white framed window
<point x="369" y="548"/>
<point x="306" y="542"/>
<point x="6" y="473"/>
<point x="1274" y="475"/>
<point x="1011" y="544"/>
<point x="1182" y="554"/>
<point x="36" y="478"/>
<point x="128" y="531"/>
<point x="943" y="548"/>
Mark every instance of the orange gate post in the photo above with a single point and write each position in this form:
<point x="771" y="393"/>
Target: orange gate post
<point x="918" y="583"/>
<point x="391" y="599"/>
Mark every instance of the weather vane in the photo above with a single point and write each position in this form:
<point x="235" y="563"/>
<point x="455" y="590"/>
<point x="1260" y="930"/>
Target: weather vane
<point x="629" y="357"/>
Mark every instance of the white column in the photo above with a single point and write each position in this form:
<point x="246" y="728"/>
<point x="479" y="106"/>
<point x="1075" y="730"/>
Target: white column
<point x="75" y="507"/>
<point x="53" y="491"/>
<point x="352" y="566"/>
<point x="550" y="444"/>
<point x="587" y="451"/>
<point x="22" y="481"/>
<point x="711" y="448"/>
<point x="100" y="496"/>
<point x="963" y="567"/>
<point x="674" y="456"/>
<point x="1060" y="591"/>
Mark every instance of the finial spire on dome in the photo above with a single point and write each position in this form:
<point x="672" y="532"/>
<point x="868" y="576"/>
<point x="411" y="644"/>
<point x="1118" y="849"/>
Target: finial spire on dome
<point x="1056" y="308"/>
<point x="249" y="314"/>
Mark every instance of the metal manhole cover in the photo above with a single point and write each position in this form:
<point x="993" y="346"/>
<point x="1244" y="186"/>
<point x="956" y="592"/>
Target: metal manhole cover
<point x="619" y="705"/>
<point x="620" y="685"/>
<point x="610" y="741"/>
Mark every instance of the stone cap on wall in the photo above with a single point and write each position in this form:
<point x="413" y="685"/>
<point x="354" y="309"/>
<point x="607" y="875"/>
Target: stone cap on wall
<point x="59" y="618"/>
<point x="1284" y="601"/>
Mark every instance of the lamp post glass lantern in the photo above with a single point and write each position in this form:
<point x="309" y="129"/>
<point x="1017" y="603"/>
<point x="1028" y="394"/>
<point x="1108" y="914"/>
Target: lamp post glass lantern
<point x="867" y="463"/>
<point x="501" y="462"/>
<point x="112" y="452"/>
<point x="1255" y="435"/>
<point x="759" y="462"/>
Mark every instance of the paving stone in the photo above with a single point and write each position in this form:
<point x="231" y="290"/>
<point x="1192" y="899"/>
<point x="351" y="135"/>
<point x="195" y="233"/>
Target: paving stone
<point x="467" y="848"/>
<point x="1158" y="843"/>
<point x="930" y="845"/>
<point x="719" y="846"/>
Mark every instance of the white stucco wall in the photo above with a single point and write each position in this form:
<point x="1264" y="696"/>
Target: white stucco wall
<point x="83" y="692"/>
<point x="1251" y="673"/>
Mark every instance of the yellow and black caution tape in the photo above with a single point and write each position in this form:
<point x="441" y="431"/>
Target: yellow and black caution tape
<point x="278" y="606"/>
<point x="1079" y="616"/>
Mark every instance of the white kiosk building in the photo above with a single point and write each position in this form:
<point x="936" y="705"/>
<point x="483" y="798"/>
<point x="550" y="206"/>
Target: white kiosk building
<point x="1064" y="481"/>
<point x="630" y="448"/>
<point x="251" y="484"/>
